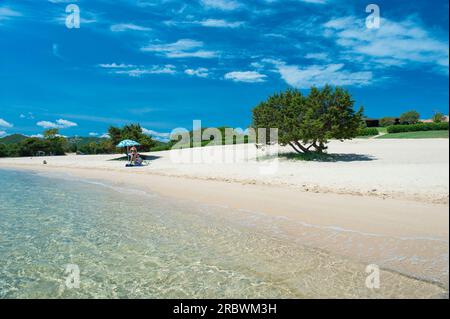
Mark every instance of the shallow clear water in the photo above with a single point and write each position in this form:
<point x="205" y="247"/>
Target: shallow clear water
<point x="129" y="244"/>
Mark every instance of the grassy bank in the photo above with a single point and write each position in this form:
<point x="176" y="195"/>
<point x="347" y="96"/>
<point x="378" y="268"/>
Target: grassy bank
<point x="424" y="134"/>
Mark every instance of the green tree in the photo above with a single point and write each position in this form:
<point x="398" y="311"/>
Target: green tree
<point x="410" y="117"/>
<point x="3" y="150"/>
<point x="131" y="132"/>
<point x="58" y="143"/>
<point x="33" y="145"/>
<point x="387" y="121"/>
<point x="307" y="123"/>
<point x="438" y="117"/>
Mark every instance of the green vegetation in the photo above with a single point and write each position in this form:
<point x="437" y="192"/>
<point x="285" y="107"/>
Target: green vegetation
<point x="388" y="121"/>
<point x="314" y="119"/>
<point x="368" y="132"/>
<point x="229" y="136"/>
<point x="12" y="139"/>
<point x="382" y="130"/>
<point x="51" y="144"/>
<point x="417" y="135"/>
<point x="438" y="117"/>
<point x="410" y="117"/>
<point x="130" y="132"/>
<point x="418" y="127"/>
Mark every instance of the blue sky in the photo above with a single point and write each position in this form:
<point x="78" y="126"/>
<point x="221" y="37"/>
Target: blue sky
<point x="165" y="63"/>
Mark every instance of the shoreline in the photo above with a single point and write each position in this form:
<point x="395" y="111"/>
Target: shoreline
<point x="387" y="169"/>
<point x="412" y="228"/>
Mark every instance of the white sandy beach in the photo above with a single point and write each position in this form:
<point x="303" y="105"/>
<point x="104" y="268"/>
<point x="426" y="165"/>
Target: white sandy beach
<point x="379" y="193"/>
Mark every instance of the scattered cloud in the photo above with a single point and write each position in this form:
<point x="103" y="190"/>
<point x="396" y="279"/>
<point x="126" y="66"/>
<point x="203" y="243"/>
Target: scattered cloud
<point x="393" y="44"/>
<point x="3" y="133"/>
<point x="62" y="1"/>
<point x="122" y="27"/>
<point x="246" y="76"/>
<point x="5" y="124"/>
<point x="138" y="71"/>
<point x="164" y="137"/>
<point x="8" y="13"/>
<point x="156" y="69"/>
<point x="225" y="5"/>
<point x="317" y="56"/>
<point x="200" y="72"/>
<point x="319" y="75"/>
<point x="116" y="66"/>
<point x="220" y="23"/>
<point x="59" y="124"/>
<point x="185" y="48"/>
<point x="28" y="116"/>
<point x="93" y="134"/>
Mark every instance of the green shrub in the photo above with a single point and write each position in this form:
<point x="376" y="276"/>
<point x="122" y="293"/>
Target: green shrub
<point x="418" y="127"/>
<point x="368" y="131"/>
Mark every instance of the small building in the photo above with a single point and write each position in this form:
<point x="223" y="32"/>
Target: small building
<point x="370" y="122"/>
<point x="444" y="119"/>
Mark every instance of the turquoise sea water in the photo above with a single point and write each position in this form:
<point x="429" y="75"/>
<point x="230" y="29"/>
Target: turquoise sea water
<point x="129" y="244"/>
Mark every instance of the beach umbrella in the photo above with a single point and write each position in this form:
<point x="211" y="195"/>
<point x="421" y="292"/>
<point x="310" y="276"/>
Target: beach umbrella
<point x="128" y="143"/>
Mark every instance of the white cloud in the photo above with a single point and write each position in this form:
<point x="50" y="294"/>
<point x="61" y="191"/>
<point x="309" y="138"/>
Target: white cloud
<point x="105" y="135"/>
<point x="200" y="72"/>
<point x="3" y="133"/>
<point x="317" y="56"/>
<point x="128" y="27"/>
<point x="393" y="44"/>
<point x="315" y="1"/>
<point x="5" y="124"/>
<point x="164" y="137"/>
<point x="28" y="116"/>
<point x="7" y="13"/>
<point x="320" y="75"/>
<point x="185" y="48"/>
<point x="156" y="69"/>
<point x="62" y="1"/>
<point x="225" y="5"/>
<point x="116" y="66"/>
<point x="93" y="134"/>
<point x="37" y="136"/>
<point x="220" y="23"/>
<point x="246" y="76"/>
<point x="60" y="124"/>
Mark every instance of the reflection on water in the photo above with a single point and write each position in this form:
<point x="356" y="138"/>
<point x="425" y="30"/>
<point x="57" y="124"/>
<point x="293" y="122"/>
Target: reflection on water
<point x="144" y="246"/>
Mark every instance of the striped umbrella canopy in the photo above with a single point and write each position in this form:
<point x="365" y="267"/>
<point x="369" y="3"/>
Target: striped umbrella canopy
<point x="128" y="143"/>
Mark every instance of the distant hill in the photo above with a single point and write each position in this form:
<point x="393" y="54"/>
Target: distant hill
<point x="12" y="139"/>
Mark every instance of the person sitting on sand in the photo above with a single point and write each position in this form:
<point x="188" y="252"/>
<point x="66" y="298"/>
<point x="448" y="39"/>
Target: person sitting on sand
<point x="133" y="154"/>
<point x="138" y="160"/>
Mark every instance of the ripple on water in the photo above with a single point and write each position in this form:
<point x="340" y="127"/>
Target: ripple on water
<point x="135" y="246"/>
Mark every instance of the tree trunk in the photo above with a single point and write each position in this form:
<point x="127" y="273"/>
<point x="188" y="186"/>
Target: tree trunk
<point x="299" y="148"/>
<point x="295" y="148"/>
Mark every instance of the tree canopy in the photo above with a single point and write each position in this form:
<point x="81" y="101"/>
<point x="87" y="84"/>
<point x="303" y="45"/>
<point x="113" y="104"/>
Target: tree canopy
<point x="131" y="132"/>
<point x="438" y="117"/>
<point x="410" y="117"/>
<point x="306" y="123"/>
